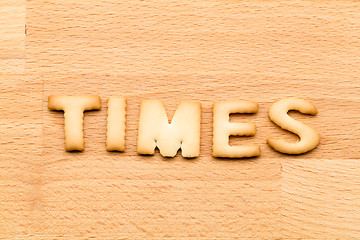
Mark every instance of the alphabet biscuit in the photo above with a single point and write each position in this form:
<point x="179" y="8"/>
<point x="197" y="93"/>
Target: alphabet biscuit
<point x="183" y="131"/>
<point x="115" y="134"/>
<point x="222" y="129"/>
<point x="74" y="107"/>
<point x="309" y="137"/>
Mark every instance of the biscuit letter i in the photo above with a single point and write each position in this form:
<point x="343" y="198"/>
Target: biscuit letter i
<point x="115" y="134"/>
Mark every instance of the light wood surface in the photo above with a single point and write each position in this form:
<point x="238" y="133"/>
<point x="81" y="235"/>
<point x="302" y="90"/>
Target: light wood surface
<point x="200" y="50"/>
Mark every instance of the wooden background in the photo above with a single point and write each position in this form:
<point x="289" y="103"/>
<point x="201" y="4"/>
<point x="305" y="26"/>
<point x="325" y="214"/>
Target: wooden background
<point x="201" y="50"/>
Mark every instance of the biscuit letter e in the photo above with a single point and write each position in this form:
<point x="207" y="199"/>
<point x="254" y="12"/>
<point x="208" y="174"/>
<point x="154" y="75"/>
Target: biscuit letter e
<point x="74" y="107"/>
<point x="222" y="129"/>
<point x="183" y="131"/>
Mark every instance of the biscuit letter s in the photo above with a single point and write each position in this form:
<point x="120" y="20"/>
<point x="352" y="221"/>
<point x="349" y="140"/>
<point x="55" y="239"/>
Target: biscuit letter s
<point x="309" y="138"/>
<point x="155" y="130"/>
<point x="74" y="107"/>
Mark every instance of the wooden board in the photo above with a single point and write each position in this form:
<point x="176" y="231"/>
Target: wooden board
<point x="201" y="50"/>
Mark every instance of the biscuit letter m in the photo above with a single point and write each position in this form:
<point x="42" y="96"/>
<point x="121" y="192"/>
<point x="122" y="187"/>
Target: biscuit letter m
<point x="183" y="131"/>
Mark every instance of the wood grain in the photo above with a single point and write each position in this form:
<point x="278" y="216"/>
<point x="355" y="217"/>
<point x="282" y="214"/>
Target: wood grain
<point x="12" y="40"/>
<point x="333" y="188"/>
<point x="200" y="50"/>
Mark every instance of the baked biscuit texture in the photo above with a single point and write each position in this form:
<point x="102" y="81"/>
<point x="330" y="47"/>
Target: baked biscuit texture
<point x="156" y="131"/>
<point x="74" y="107"/>
<point x="222" y="129"/>
<point x="115" y="134"/>
<point x="309" y="137"/>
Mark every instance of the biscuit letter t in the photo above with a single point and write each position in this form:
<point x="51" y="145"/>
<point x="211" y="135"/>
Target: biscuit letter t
<point x="74" y="107"/>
